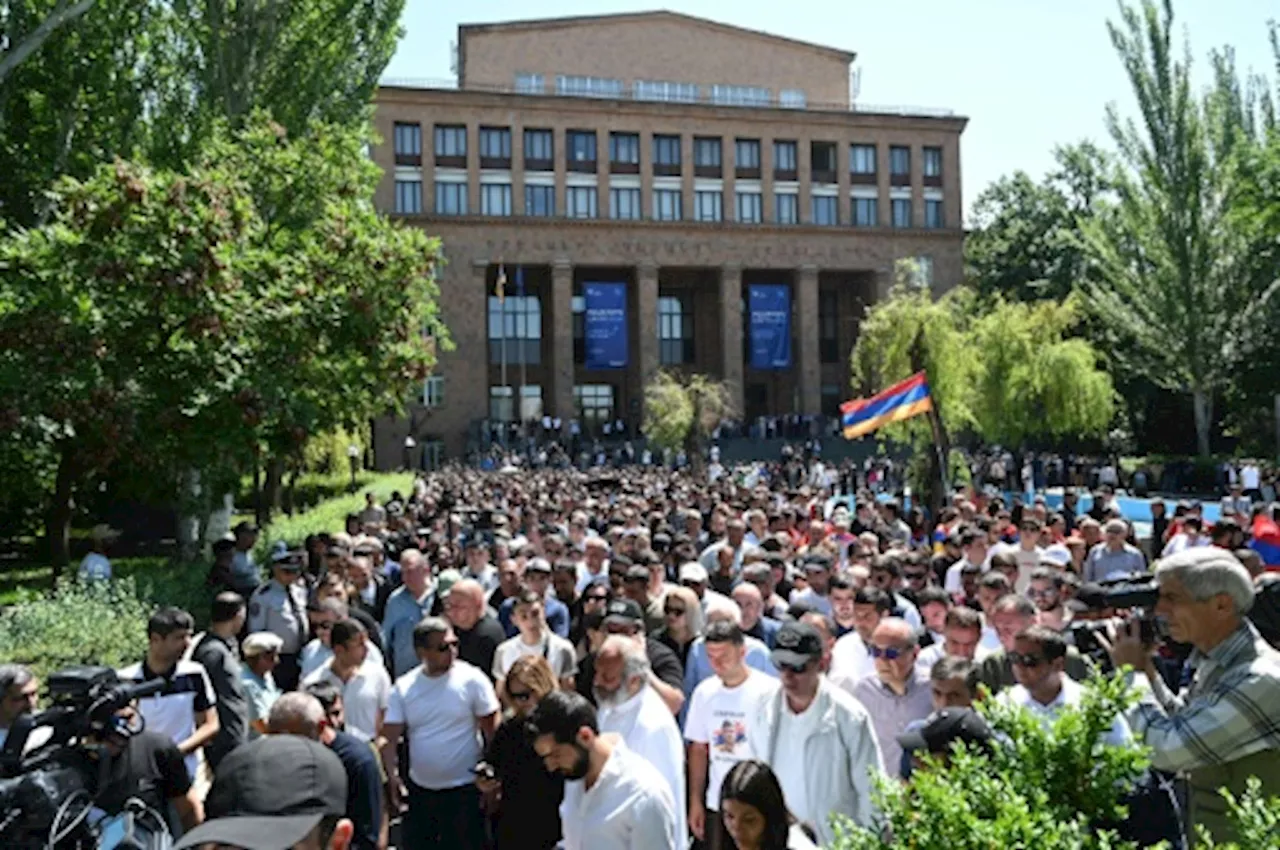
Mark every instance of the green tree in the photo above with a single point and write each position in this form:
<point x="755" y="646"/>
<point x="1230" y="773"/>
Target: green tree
<point x="1024" y="242"/>
<point x="19" y="45"/>
<point x="681" y="414"/>
<point x="1171" y="289"/>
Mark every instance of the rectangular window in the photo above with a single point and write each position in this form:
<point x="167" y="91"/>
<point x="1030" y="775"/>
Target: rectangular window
<point x="746" y="154"/>
<point x="824" y="210"/>
<point x="707" y="206"/>
<point x="451" y="198"/>
<point x="594" y="403"/>
<point x="433" y="391"/>
<point x="530" y="84"/>
<point x="664" y="91"/>
<point x="408" y="144"/>
<point x="866" y="212"/>
<point x="409" y="197"/>
<point x="932" y="162"/>
<point x="862" y="159"/>
<point x="750" y="207"/>
<point x="667" y="205"/>
<point x="624" y="148"/>
<point x="581" y="202"/>
<point x="784" y="158"/>
<point x="740" y="96"/>
<point x="666" y="155"/>
<point x="933" y="216"/>
<point x="451" y="142"/>
<point x="539" y="150"/>
<point x="900" y="161"/>
<point x="675" y="331"/>
<point x="901" y="212"/>
<point x="581" y="150"/>
<point x="495" y="145"/>
<point x="822" y="162"/>
<point x="624" y="204"/>
<point x="588" y="86"/>
<point x="791" y="99"/>
<point x="521" y="315"/>
<point x="502" y="404"/>
<point x="786" y="208"/>
<point x="539" y="201"/>
<point x="495" y="199"/>
<point x="706" y="152"/>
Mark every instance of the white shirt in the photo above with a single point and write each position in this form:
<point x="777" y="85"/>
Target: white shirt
<point x="1249" y="477"/>
<point x="1071" y="694"/>
<point x="628" y="808"/>
<point x="1028" y="560"/>
<point x="439" y="713"/>
<point x="953" y="583"/>
<point x="364" y="695"/>
<point x="172" y="713"/>
<point x="718" y="717"/>
<point x="559" y="653"/>
<point x="315" y="654"/>
<point x="990" y="641"/>
<point x="850" y="659"/>
<point x="789" y="764"/>
<point x="95" y="566"/>
<point x="649" y="730"/>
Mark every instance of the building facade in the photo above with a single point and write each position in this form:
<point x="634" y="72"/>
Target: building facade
<point x="621" y="194"/>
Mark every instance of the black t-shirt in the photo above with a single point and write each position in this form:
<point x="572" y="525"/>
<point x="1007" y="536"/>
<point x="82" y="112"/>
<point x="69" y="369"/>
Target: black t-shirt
<point x="666" y="666"/>
<point x="477" y="646"/>
<point x="223" y="666"/>
<point x="529" y="815"/>
<point x="364" y="788"/>
<point x="150" y="768"/>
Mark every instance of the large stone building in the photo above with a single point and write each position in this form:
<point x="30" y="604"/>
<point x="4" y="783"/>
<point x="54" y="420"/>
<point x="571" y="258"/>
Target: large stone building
<point x="624" y="193"/>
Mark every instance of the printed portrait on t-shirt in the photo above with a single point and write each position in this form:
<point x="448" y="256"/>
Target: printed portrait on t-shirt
<point x="729" y="735"/>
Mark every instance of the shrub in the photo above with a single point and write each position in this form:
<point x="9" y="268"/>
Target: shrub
<point x="330" y="515"/>
<point x="1256" y="818"/>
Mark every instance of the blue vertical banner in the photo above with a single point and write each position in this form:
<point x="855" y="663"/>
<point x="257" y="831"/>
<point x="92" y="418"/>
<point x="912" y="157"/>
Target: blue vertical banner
<point x="606" y="325"/>
<point x="769" y="308"/>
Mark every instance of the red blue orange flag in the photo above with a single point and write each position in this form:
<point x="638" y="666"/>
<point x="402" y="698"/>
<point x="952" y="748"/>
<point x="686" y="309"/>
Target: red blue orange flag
<point x="900" y="401"/>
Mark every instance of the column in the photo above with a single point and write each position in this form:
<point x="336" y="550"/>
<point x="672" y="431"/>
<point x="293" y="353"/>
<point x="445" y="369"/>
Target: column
<point x="562" y="340"/>
<point x="809" y="365"/>
<point x="731" y="335"/>
<point x="647" y="321"/>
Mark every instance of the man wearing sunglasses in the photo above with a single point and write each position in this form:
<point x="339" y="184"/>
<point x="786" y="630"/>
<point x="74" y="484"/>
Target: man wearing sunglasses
<point x="1039" y="659"/>
<point x="816" y="737"/>
<point x="896" y="693"/>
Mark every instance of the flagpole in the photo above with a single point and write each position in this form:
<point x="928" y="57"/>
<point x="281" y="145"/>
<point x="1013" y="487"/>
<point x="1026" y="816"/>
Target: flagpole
<point x="941" y="445"/>
<point x="524" y="359"/>
<point x="502" y="304"/>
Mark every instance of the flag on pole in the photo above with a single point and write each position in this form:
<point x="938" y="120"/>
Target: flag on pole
<point x="900" y="401"/>
<point x="501" y="288"/>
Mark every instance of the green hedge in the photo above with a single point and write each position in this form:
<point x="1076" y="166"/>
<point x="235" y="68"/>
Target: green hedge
<point x="332" y="513"/>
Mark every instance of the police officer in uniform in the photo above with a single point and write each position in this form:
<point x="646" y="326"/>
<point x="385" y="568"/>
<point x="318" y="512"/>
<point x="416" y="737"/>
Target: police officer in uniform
<point x="280" y="607"/>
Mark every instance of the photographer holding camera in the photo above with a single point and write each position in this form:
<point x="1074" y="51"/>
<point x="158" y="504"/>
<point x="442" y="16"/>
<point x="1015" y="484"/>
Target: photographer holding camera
<point x="1224" y="726"/>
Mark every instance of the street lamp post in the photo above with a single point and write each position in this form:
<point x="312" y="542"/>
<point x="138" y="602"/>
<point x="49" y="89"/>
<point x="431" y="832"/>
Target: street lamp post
<point x="409" y="443"/>
<point x="353" y="456"/>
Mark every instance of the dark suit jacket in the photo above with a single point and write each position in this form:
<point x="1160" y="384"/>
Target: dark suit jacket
<point x="380" y="596"/>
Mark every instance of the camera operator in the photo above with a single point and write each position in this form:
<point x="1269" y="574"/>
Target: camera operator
<point x="1224" y="727"/>
<point x="19" y="689"/>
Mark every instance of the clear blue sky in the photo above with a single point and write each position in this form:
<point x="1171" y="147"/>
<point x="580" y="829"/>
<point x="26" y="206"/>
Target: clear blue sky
<point x="1029" y="74"/>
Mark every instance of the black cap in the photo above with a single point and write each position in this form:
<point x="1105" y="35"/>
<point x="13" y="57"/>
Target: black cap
<point x="943" y="728"/>
<point x="623" y="611"/>
<point x="637" y="573"/>
<point x="269" y="793"/>
<point x="796" y="644"/>
<point x="1089" y="597"/>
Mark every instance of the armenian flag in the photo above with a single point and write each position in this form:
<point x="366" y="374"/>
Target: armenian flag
<point x="1266" y="541"/>
<point x="900" y="401"/>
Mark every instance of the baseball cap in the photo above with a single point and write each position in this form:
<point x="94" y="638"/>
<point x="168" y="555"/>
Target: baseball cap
<point x="637" y="573"/>
<point x="623" y="612"/>
<point x="943" y="728"/>
<point x="1090" y="596"/>
<point x="446" y="580"/>
<point x="796" y="644"/>
<point x="538" y="565"/>
<point x="269" y="793"/>
<point x="694" y="572"/>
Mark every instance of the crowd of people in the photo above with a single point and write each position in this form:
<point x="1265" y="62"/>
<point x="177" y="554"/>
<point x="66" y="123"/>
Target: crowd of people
<point x="648" y="658"/>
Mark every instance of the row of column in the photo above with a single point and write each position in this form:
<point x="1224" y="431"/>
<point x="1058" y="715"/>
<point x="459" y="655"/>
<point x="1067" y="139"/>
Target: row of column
<point x="805" y="338"/>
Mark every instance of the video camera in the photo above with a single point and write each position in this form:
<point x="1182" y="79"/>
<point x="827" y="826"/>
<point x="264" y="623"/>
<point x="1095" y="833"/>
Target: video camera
<point x="47" y="793"/>
<point x="1135" y="593"/>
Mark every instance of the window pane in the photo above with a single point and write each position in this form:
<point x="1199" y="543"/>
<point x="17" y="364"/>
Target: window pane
<point x="862" y="159"/>
<point x="899" y="160"/>
<point x="588" y="86"/>
<point x="791" y="99"/>
<point x="529" y="84"/>
<point x="539" y="200"/>
<point x="750" y="207"/>
<point x="707" y="206"/>
<point x="706" y="152"/>
<point x="666" y="204"/>
<point x="451" y="198"/>
<point x="666" y="150"/>
<point x="408" y="139"/>
<point x="786" y="208"/>
<point x="901" y="212"/>
<point x="784" y="156"/>
<point x="495" y="143"/>
<point x="538" y="144"/>
<point x="451" y="140"/>
<point x="824" y="210"/>
<point x="408" y="196"/>
<point x="933" y="216"/>
<point x="580" y="202"/>
<point x="866" y="212"/>
<point x="624" y="203"/>
<point x="747" y="153"/>
<point x="624" y="148"/>
<point x="933" y="162"/>
<point x="671" y="92"/>
<point x="495" y="199"/>
<point x="582" y="145"/>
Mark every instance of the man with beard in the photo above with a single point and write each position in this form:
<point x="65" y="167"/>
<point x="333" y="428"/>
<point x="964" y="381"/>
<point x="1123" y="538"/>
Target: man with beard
<point x="632" y="709"/>
<point x="613" y="799"/>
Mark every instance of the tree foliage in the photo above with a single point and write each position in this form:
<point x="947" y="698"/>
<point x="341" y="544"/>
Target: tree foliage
<point x="1174" y="289"/>
<point x="682" y="413"/>
<point x="183" y="322"/>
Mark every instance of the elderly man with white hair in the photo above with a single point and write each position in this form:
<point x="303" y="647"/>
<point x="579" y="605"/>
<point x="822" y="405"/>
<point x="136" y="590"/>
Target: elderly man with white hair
<point x="635" y="712"/>
<point x="1225" y="725"/>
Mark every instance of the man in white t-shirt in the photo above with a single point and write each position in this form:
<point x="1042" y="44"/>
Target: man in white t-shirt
<point x="716" y="726"/>
<point x="450" y="712"/>
<point x="96" y="566"/>
<point x="365" y="685"/>
<point x="1026" y="551"/>
<point x="534" y="638"/>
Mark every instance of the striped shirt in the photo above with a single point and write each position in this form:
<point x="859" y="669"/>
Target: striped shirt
<point x="1227" y="713"/>
<point x="172" y="712"/>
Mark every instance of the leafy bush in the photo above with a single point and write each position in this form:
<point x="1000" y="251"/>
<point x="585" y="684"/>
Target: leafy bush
<point x="1047" y="789"/>
<point x="331" y="514"/>
<point x="1256" y="818"/>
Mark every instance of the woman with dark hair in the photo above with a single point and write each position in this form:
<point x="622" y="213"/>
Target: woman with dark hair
<point x="754" y="813"/>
